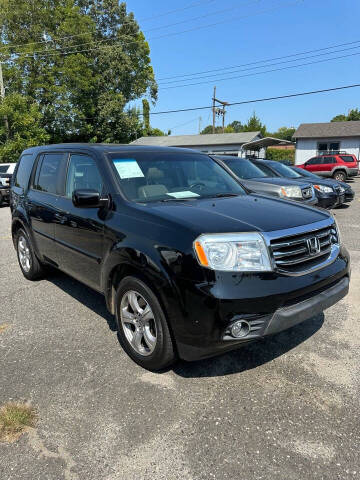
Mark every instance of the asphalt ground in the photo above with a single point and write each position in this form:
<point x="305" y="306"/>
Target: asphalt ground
<point x="285" y="408"/>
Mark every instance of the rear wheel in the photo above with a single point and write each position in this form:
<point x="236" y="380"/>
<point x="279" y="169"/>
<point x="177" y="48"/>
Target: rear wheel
<point x="30" y="266"/>
<point x="340" y="176"/>
<point x="142" y="327"/>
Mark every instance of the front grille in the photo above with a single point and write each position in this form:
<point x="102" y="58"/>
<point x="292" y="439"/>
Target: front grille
<point x="306" y="192"/>
<point x="296" y="253"/>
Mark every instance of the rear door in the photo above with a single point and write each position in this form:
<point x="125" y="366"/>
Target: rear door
<point x="79" y="231"/>
<point x="328" y="163"/>
<point x="42" y="201"/>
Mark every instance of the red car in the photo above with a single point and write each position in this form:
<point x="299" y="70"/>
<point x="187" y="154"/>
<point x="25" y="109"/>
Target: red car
<point x="340" y="166"/>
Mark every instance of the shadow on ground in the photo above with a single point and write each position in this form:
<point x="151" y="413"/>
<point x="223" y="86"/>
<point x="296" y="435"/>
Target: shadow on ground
<point x="237" y="361"/>
<point x="80" y="292"/>
<point x="251" y="355"/>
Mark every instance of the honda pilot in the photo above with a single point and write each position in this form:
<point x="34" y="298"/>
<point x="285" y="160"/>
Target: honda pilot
<point x="190" y="263"/>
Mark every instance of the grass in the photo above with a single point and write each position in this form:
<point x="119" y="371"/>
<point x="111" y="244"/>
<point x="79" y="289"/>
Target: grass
<point x="15" y="418"/>
<point x="3" y="327"/>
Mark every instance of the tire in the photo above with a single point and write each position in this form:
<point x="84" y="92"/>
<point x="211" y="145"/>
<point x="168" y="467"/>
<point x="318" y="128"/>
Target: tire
<point x="1" y="200"/>
<point x="145" y="337"/>
<point x="30" y="266"/>
<point x="340" y="176"/>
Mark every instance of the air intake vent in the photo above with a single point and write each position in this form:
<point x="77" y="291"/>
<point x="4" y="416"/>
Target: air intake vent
<point x="298" y="253"/>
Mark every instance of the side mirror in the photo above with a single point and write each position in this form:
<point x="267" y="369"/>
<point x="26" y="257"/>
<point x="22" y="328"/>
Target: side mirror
<point x="89" y="199"/>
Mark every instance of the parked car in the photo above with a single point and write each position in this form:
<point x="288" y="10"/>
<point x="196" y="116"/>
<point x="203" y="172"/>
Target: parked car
<point x="4" y="188"/>
<point x="188" y="261"/>
<point x="6" y="169"/>
<point x="338" y="166"/>
<point x="328" y="195"/>
<point x="255" y="180"/>
<point x="349" y="192"/>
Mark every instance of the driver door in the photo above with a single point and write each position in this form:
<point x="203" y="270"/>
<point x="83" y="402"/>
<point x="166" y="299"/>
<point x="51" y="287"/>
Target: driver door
<point x="79" y="231"/>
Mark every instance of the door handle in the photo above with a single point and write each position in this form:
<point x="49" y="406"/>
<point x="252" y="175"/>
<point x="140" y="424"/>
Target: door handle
<point x="62" y="219"/>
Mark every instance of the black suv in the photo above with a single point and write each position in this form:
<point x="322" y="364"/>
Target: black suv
<point x="189" y="262"/>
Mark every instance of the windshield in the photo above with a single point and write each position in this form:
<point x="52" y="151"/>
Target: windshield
<point x="4" y="168"/>
<point x="305" y="173"/>
<point x="244" y="168"/>
<point x="153" y="177"/>
<point x="284" y="170"/>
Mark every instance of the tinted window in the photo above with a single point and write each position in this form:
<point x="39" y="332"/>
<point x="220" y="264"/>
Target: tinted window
<point x="347" y="158"/>
<point x="82" y="174"/>
<point x="47" y="174"/>
<point x="285" y="171"/>
<point x="305" y="173"/>
<point x="244" y="168"/>
<point x="314" y="161"/>
<point x="154" y="176"/>
<point x="23" y="172"/>
<point x="4" y="168"/>
<point x="327" y="160"/>
<point x="265" y="169"/>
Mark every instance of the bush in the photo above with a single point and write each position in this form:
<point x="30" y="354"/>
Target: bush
<point x="278" y="154"/>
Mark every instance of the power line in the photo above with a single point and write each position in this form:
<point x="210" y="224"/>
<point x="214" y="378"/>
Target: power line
<point x="65" y="50"/>
<point x="258" y="100"/>
<point x="192" y="5"/>
<point x="264" y="66"/>
<point x="260" y="61"/>
<point x="261" y="73"/>
<point x="60" y="52"/>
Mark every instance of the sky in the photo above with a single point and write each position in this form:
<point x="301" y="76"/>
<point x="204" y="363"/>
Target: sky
<point x="192" y="36"/>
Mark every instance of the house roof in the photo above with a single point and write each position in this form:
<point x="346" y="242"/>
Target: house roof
<point x="198" y="140"/>
<point x="329" y="129"/>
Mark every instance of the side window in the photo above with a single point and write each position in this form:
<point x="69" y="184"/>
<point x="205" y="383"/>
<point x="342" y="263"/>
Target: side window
<point x="23" y="172"/>
<point x="47" y="173"/>
<point x="314" y="161"/>
<point x="82" y="174"/>
<point x="329" y="160"/>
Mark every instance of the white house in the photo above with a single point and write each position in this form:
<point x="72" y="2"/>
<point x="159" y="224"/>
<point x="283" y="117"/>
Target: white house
<point x="217" y="143"/>
<point x="315" y="138"/>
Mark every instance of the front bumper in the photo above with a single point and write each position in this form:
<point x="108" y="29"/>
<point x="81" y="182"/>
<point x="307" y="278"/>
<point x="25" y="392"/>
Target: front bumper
<point x="5" y="194"/>
<point x="352" y="172"/>
<point x="329" y="200"/>
<point x="269" y="302"/>
<point x="349" y="196"/>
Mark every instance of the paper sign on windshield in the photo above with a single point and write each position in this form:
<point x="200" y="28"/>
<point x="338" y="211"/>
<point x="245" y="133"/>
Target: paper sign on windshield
<point x="128" y="168"/>
<point x="185" y="194"/>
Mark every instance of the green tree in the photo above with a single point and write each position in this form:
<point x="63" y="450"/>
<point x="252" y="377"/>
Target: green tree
<point x="93" y="62"/>
<point x="254" y="124"/>
<point x="24" y="127"/>
<point x="353" y="115"/>
<point x="285" y="133"/>
<point x="236" y="126"/>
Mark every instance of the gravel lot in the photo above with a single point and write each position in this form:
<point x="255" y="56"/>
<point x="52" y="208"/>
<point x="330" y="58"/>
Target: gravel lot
<point x="286" y="408"/>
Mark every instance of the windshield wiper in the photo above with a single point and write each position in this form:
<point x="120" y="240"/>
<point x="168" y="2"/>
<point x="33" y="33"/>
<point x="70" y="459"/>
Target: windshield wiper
<point x="186" y="199"/>
<point x="221" y="195"/>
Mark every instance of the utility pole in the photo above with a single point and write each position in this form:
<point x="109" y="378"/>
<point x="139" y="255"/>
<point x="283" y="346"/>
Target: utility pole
<point x="200" y="120"/>
<point x="2" y="95"/>
<point x="214" y="110"/>
<point x="219" y="111"/>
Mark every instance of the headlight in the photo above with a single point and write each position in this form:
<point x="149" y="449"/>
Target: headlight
<point x="293" y="192"/>
<point x="342" y="189"/>
<point x="233" y="252"/>
<point x="323" y="188"/>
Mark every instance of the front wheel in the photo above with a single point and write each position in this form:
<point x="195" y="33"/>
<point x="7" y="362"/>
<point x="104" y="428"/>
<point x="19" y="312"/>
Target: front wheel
<point x="340" y="176"/>
<point x="142" y="326"/>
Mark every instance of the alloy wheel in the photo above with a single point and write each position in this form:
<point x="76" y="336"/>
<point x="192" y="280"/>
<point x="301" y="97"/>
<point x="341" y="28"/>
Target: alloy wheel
<point x="24" y="254"/>
<point x="138" y="323"/>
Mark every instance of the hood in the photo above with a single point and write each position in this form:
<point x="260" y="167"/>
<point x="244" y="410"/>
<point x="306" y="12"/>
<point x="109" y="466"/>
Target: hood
<point x="280" y="181"/>
<point x="236" y="214"/>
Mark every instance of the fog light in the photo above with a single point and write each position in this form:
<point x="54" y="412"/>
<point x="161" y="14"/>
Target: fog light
<point x="240" y="329"/>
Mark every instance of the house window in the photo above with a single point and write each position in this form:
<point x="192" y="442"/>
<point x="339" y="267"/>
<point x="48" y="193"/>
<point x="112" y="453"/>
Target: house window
<point x="326" y="147"/>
